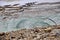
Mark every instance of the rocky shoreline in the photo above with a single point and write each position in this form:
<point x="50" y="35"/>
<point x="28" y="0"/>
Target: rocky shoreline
<point x="37" y="33"/>
<point x="47" y="33"/>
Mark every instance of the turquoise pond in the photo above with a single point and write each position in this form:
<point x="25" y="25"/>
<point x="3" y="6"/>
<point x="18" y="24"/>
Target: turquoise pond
<point x="29" y="22"/>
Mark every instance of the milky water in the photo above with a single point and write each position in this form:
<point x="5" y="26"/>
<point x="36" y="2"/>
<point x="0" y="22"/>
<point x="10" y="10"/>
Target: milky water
<point x="20" y="23"/>
<point x="28" y="22"/>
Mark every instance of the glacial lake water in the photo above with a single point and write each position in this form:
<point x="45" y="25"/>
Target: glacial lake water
<point x="21" y="23"/>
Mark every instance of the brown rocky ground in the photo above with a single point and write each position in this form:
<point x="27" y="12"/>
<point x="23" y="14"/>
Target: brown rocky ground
<point x="49" y="33"/>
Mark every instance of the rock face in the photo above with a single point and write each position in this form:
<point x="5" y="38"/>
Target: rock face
<point x="31" y="15"/>
<point x="48" y="33"/>
<point x="9" y="0"/>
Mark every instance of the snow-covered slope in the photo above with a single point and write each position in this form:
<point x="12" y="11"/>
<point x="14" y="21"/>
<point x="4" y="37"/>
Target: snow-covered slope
<point x="21" y="2"/>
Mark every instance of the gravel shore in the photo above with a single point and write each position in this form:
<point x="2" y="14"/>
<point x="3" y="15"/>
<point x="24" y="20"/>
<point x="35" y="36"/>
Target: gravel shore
<point x="49" y="33"/>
